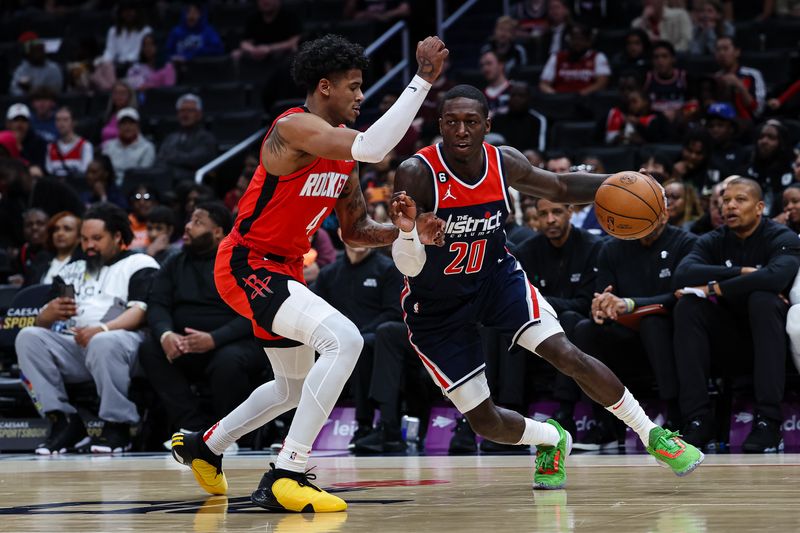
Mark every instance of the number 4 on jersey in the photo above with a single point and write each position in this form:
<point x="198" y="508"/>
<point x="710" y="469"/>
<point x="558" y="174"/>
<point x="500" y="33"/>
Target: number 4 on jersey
<point x="474" y="262"/>
<point x="313" y="223"/>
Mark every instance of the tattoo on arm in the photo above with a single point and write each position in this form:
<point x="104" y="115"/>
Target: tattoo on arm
<point x="425" y="66"/>
<point x="362" y="230"/>
<point x="276" y="144"/>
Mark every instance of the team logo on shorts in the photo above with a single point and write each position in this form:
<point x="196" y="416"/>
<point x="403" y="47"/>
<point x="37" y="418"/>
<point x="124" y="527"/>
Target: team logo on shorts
<point x="260" y="286"/>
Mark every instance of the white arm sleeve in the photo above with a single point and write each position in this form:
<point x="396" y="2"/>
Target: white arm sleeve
<point x="372" y="145"/>
<point x="408" y="253"/>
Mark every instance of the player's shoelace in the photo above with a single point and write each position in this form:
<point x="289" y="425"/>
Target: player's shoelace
<point x="303" y="479"/>
<point x="547" y="460"/>
<point x="666" y="441"/>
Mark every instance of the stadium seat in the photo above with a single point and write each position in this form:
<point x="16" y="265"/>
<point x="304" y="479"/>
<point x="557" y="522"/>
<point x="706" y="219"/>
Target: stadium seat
<point x="699" y="65"/>
<point x="230" y="128"/>
<point x="473" y="76"/>
<point x="208" y="70"/>
<point x="77" y="102"/>
<point x="7" y="293"/>
<point x="224" y="97"/>
<point x="781" y="33"/>
<point x="569" y="134"/>
<point x="793" y="125"/>
<point x="615" y="158"/>
<point x="27" y="301"/>
<point x="161" y="126"/>
<point x="528" y="73"/>
<point x="600" y="103"/>
<point x="557" y="106"/>
<point x="774" y="65"/>
<point x="158" y="177"/>
<point x="161" y="100"/>
<point x="282" y="105"/>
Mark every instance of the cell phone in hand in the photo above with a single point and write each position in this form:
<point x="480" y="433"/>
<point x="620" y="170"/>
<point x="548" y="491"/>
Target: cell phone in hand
<point x="68" y="291"/>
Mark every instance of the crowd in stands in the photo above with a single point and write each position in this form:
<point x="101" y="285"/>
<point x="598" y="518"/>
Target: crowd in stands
<point x="112" y="107"/>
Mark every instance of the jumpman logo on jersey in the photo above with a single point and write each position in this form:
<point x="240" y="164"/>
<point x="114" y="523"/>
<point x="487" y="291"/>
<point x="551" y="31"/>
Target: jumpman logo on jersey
<point x="260" y="287"/>
<point x="448" y="194"/>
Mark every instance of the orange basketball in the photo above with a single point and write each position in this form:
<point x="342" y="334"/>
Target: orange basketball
<point x="628" y="205"/>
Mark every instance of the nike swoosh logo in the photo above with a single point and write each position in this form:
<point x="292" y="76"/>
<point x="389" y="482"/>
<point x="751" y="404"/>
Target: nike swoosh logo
<point x="413" y="89"/>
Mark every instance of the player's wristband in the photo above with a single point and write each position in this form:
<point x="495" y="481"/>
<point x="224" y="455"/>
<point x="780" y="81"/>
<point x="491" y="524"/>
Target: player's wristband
<point x="630" y="305"/>
<point x="104" y="327"/>
<point x="409" y="235"/>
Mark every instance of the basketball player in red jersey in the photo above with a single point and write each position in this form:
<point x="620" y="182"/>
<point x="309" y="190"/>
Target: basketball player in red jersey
<point x="307" y="169"/>
<point x="474" y="279"/>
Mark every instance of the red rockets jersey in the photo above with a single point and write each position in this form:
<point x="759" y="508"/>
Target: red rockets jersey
<point x="475" y="217"/>
<point x="279" y="214"/>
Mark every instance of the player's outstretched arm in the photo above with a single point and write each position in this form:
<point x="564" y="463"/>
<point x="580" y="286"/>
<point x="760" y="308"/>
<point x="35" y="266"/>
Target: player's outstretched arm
<point x="308" y="133"/>
<point x="358" y="229"/>
<point x="568" y="188"/>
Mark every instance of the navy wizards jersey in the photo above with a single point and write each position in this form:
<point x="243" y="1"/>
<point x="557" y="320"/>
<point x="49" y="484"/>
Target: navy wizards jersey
<point x="474" y="215"/>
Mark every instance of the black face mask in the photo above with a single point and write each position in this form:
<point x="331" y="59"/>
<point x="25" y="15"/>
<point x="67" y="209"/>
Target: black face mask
<point x="200" y="245"/>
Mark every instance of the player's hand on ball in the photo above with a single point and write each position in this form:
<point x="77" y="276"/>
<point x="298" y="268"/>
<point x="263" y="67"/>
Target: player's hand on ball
<point x="430" y="229"/>
<point x="431" y="55"/>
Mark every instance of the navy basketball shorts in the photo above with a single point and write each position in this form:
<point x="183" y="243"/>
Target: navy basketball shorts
<point x="444" y="331"/>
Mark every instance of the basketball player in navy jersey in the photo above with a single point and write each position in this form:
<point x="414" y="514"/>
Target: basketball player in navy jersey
<point x="474" y="279"/>
<point x="307" y="169"/>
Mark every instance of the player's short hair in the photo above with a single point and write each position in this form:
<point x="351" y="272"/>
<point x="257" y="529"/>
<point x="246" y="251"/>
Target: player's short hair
<point x="325" y="57"/>
<point x="469" y="92"/>
<point x="751" y="184"/>
<point x="114" y="218"/>
<point x="219" y="213"/>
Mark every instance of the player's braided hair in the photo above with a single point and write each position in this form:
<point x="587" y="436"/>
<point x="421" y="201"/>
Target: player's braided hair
<point x="466" y="91"/>
<point x="326" y="56"/>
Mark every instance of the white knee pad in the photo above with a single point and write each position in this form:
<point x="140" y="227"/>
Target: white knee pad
<point x="337" y="337"/>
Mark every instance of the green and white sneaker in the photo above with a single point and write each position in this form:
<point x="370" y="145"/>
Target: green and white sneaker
<point x="551" y="461"/>
<point x="673" y="452"/>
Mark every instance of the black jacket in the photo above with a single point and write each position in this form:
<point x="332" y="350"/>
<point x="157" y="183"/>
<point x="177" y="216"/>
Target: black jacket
<point x="720" y="255"/>
<point x="184" y="295"/>
<point x="642" y="273"/>
<point x="367" y="293"/>
<point x="566" y="275"/>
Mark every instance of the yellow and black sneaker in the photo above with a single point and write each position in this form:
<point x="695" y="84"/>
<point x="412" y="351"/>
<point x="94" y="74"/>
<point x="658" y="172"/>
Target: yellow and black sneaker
<point x="189" y="449"/>
<point x="285" y="491"/>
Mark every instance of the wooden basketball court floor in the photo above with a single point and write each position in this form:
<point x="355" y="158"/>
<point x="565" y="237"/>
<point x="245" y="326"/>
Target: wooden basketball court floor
<point x="618" y="493"/>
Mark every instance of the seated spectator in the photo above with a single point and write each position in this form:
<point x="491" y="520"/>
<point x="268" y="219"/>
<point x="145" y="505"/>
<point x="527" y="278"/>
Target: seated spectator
<point x="636" y="55"/>
<point x="363" y="285"/>
<point x="142" y="199"/>
<point x="667" y="23"/>
<point x="160" y="228"/>
<point x="522" y="127"/>
<point x="791" y="208"/>
<point x="633" y="275"/>
<point x="739" y="273"/>
<point x="124" y="38"/>
<point x="84" y="72"/>
<point x="727" y="156"/>
<point x="32" y="254"/>
<point x="711" y="24"/>
<point x="741" y="86"/>
<point x="657" y="162"/>
<point x="666" y="85"/>
<point x="232" y="197"/>
<point x="583" y="216"/>
<point x="271" y="37"/>
<point x="122" y="96"/>
<point x="560" y="261"/>
<point x="322" y="253"/>
<point x="712" y="218"/>
<point x="498" y="87"/>
<point x="186" y="150"/>
<point x="63" y="242"/>
<point x="194" y="36"/>
<point x="579" y="69"/>
<point x="101" y="183"/>
<point x="692" y="165"/>
<point x="130" y="149"/>
<point x="683" y="206"/>
<point x="531" y="16"/>
<point x="149" y="72"/>
<point x="35" y="70"/>
<point x="32" y="147"/>
<point x="194" y="335"/>
<point x="43" y="118"/>
<point x="70" y="155"/>
<point x="638" y="123"/>
<point x="771" y="164"/>
<point x="511" y="54"/>
<point x="99" y="336"/>
<point x="384" y="12"/>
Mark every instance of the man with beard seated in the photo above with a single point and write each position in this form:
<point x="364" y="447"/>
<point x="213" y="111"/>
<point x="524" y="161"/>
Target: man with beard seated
<point x="90" y="330"/>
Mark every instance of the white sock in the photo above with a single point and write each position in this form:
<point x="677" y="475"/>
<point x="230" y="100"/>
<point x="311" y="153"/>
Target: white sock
<point x="629" y="411"/>
<point x="217" y="439"/>
<point x="539" y="433"/>
<point x="293" y="456"/>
